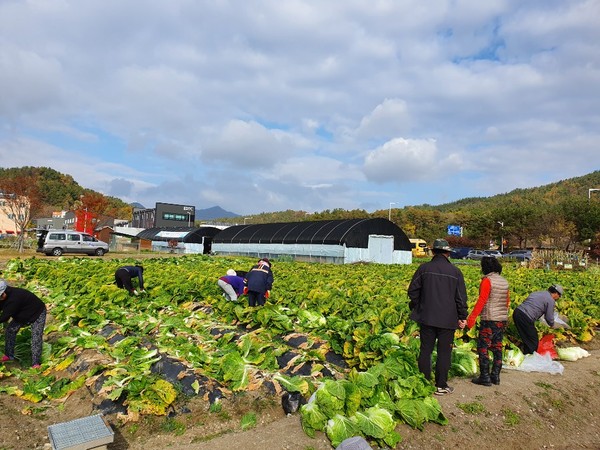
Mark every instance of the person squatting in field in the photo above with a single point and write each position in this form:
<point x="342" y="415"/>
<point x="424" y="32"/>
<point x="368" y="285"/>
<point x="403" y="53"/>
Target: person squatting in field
<point x="259" y="281"/>
<point x="538" y="304"/>
<point x="438" y="303"/>
<point x="492" y="305"/>
<point x="24" y="308"/>
<point x="125" y="274"/>
<point x="232" y="285"/>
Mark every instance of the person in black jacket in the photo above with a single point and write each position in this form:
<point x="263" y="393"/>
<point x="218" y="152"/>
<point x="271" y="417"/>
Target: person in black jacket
<point x="259" y="281"/>
<point x="24" y="308"/>
<point x="125" y="274"/>
<point x="438" y="302"/>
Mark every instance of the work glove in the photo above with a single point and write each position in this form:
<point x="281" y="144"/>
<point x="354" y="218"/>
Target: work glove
<point x="135" y="292"/>
<point x="245" y="290"/>
<point x="267" y="294"/>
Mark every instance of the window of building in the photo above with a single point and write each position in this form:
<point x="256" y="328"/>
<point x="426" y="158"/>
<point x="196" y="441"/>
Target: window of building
<point x="174" y="216"/>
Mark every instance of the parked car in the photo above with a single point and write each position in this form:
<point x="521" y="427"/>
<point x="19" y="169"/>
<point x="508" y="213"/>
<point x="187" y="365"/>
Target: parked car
<point x="476" y="254"/>
<point x="57" y="242"/>
<point x="494" y="253"/>
<point x="460" y="252"/>
<point x="520" y="255"/>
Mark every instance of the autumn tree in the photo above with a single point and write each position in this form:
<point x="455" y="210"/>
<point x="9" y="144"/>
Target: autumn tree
<point x="21" y="201"/>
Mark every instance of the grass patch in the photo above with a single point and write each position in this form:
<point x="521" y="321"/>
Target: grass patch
<point x="215" y="407"/>
<point x="248" y="421"/>
<point x="557" y="404"/>
<point x="210" y="437"/>
<point x="543" y="385"/>
<point x="472" y="407"/>
<point x="173" y="426"/>
<point x="511" y="418"/>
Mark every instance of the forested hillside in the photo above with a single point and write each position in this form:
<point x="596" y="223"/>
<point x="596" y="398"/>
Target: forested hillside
<point x="60" y="192"/>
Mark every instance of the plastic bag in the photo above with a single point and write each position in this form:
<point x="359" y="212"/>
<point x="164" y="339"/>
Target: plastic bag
<point x="541" y="363"/>
<point x="559" y="322"/>
<point x="546" y="346"/>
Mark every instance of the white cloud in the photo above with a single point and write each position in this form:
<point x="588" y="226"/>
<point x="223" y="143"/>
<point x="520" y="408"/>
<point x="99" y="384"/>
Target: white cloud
<point x="400" y="160"/>
<point x="389" y="118"/>
<point x="250" y="145"/>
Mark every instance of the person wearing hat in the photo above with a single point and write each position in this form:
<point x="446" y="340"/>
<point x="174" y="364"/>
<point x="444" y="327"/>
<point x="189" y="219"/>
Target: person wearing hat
<point x="125" y="274"/>
<point x="232" y="285"/>
<point x="24" y="308"/>
<point x="538" y="304"/>
<point x="438" y="303"/>
<point x="259" y="281"/>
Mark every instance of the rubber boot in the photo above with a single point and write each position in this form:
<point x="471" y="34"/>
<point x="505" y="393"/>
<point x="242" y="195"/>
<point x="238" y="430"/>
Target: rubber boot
<point x="495" y="375"/>
<point x="484" y="373"/>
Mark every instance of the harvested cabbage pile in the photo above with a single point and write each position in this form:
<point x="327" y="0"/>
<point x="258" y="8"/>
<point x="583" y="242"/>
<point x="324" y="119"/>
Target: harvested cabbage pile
<point x="572" y="353"/>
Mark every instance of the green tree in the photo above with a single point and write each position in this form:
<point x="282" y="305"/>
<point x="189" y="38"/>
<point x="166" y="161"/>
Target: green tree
<point x="21" y="200"/>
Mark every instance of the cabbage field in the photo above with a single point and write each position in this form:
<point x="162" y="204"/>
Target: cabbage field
<point x="338" y="334"/>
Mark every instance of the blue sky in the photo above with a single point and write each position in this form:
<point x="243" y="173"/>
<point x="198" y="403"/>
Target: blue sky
<point x="305" y="105"/>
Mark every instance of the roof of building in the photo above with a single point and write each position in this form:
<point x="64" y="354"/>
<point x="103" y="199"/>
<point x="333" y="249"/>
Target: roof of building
<point x="349" y="232"/>
<point x="181" y="234"/>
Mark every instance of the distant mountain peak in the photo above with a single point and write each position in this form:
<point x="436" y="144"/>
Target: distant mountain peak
<point x="215" y="212"/>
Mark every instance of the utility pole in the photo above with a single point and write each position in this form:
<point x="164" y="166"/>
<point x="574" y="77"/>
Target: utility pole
<point x="501" y="237"/>
<point x="390" y="211"/>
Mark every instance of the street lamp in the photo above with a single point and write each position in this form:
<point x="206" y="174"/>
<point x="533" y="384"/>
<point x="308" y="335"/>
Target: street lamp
<point x="501" y="237"/>
<point x="590" y="192"/>
<point x="390" y="211"/>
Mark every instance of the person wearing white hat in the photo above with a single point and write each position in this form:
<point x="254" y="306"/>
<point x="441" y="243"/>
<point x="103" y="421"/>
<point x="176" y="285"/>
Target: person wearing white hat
<point x="232" y="285"/>
<point x="24" y="308"/>
<point x="538" y="304"/>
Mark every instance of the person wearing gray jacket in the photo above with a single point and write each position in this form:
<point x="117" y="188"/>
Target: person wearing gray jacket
<point x="538" y="304"/>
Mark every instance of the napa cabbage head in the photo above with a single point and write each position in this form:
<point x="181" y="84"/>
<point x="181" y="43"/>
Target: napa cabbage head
<point x="513" y="357"/>
<point x="313" y="418"/>
<point x="375" y="422"/>
<point x="339" y="428"/>
<point x="331" y="398"/>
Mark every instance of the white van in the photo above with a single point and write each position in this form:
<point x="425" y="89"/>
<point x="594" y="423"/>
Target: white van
<point x="57" y="242"/>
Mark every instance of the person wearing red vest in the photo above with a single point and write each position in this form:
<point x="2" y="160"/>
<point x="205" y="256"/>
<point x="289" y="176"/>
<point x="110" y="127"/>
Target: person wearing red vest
<point x="492" y="305"/>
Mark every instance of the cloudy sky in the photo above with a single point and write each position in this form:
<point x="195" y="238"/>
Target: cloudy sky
<point x="269" y="105"/>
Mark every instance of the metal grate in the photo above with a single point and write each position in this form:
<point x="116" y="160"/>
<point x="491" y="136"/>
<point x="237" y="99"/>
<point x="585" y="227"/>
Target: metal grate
<point x="81" y="434"/>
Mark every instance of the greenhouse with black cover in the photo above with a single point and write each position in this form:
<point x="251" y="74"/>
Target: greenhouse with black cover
<point x="334" y="241"/>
